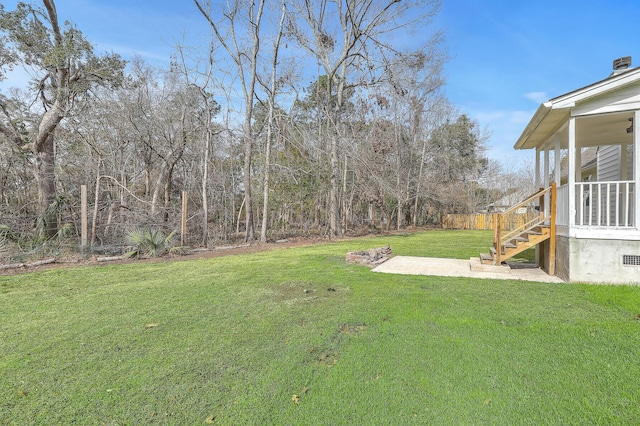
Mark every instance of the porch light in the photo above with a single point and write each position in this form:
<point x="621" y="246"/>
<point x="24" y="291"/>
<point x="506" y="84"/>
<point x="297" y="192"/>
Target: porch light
<point x="630" y="128"/>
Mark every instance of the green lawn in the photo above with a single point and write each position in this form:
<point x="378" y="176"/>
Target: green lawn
<point x="298" y="337"/>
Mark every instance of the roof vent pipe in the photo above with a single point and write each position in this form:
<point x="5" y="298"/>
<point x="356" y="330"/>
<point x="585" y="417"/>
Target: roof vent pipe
<point x="621" y="64"/>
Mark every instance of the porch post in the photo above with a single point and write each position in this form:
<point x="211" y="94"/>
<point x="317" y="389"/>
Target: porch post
<point x="571" y="176"/>
<point x="556" y="159"/>
<point x="578" y="163"/>
<point x="624" y="158"/>
<point x="636" y="169"/>
<point x="537" y="187"/>
<point x="545" y="181"/>
<point x="552" y="231"/>
<point x="537" y="169"/>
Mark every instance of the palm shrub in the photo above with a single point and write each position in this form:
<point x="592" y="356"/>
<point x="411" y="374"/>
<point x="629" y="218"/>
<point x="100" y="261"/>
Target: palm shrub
<point x="148" y="242"/>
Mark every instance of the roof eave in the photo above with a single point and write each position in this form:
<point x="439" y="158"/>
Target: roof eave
<point x="542" y="111"/>
<point x="558" y="108"/>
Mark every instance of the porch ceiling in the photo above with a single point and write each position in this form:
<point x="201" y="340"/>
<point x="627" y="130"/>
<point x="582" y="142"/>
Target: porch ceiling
<point x="602" y="112"/>
<point x="605" y="129"/>
<point x="596" y="130"/>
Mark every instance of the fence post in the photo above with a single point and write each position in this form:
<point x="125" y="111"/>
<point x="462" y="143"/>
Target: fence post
<point x="183" y="228"/>
<point x="83" y="218"/>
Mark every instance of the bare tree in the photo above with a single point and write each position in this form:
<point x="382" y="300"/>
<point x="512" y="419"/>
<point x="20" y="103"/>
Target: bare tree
<point x="198" y="73"/>
<point x="270" y="125"/>
<point x="66" y="69"/>
<point x="239" y="17"/>
<point x="352" y="45"/>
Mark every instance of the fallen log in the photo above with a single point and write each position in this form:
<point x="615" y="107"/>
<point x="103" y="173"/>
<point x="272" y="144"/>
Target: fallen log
<point x="198" y="250"/>
<point x="12" y="266"/>
<point x="109" y="258"/>
<point x="41" y="262"/>
<point x="232" y="247"/>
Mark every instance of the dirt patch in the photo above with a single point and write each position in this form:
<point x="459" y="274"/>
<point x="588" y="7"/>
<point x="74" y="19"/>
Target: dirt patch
<point x="70" y="261"/>
<point x="301" y="291"/>
<point x="352" y="329"/>
<point x="328" y="359"/>
<point x="229" y="249"/>
<point x="329" y="355"/>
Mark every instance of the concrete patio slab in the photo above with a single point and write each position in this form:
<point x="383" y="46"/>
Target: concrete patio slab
<point x="411" y="265"/>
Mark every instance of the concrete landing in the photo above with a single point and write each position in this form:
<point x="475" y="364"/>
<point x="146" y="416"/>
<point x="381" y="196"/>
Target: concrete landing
<point x="472" y="268"/>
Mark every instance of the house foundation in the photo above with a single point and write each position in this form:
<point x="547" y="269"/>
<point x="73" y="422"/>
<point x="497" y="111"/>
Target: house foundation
<point x="597" y="260"/>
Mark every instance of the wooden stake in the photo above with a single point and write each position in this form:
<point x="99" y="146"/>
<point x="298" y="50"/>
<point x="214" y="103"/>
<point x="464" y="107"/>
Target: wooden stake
<point x="83" y="217"/>
<point x="183" y="230"/>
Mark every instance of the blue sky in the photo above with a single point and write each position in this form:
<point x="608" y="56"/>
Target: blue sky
<point x="505" y="56"/>
<point x="509" y="56"/>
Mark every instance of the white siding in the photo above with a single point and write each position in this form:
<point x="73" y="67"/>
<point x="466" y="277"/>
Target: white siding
<point x="608" y="170"/>
<point x="608" y="163"/>
<point x="629" y="163"/>
<point x="609" y="166"/>
<point x="623" y="99"/>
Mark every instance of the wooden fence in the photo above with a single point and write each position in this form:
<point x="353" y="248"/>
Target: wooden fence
<point x="483" y="221"/>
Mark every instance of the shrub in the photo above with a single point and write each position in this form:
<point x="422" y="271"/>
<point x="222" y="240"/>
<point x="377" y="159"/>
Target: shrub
<point x="148" y="242"/>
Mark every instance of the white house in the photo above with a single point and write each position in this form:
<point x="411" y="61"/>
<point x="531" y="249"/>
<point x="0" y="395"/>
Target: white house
<point x="593" y="233"/>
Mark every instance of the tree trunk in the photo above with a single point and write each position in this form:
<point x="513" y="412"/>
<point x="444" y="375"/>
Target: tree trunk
<point x="419" y="184"/>
<point x="265" y="193"/>
<point x="248" y="198"/>
<point x="334" y="217"/>
<point x="272" y="95"/>
<point x="45" y="174"/>
<point x="343" y="203"/>
<point x="205" y="175"/>
<point x="94" y="221"/>
<point x="156" y="190"/>
<point x="168" y="186"/>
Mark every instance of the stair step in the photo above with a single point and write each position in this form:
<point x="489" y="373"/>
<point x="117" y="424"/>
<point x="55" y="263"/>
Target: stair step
<point x="522" y="238"/>
<point x="486" y="256"/>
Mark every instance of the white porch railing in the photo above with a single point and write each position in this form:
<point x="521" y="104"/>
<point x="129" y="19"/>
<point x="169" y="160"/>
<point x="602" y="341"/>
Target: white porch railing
<point x="562" y="205"/>
<point x="601" y="204"/>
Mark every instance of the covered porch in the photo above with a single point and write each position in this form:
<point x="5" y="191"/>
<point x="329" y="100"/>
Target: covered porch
<point x="587" y="144"/>
<point x="596" y="200"/>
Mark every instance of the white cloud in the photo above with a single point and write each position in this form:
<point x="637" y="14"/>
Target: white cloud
<point x="538" y="97"/>
<point x="128" y="52"/>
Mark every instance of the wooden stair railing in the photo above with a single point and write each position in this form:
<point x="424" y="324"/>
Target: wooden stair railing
<point x="507" y="244"/>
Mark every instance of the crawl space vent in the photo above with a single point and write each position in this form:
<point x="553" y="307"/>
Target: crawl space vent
<point x="631" y="259"/>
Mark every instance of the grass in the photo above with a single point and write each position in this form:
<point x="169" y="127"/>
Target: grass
<point x="296" y="336"/>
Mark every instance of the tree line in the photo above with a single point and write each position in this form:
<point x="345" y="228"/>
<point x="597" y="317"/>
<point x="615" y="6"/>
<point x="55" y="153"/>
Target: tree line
<point x="295" y="118"/>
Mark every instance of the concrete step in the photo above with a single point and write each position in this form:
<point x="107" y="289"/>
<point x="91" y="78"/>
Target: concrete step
<point x="476" y="266"/>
